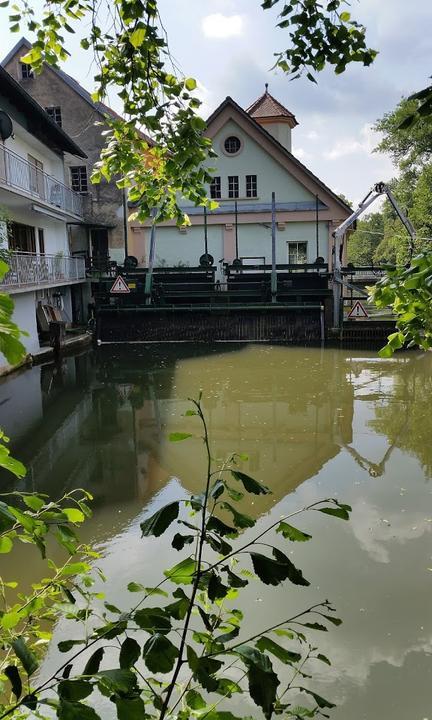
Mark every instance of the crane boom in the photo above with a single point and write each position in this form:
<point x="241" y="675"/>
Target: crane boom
<point x="378" y="190"/>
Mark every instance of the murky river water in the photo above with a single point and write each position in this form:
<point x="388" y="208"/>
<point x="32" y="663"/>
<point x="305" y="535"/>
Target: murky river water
<point x="314" y="423"/>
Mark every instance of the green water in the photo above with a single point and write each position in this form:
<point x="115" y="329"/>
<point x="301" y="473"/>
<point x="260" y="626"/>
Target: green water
<point x="314" y="423"/>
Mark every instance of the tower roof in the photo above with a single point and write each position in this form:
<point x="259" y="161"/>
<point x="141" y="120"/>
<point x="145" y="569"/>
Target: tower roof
<point x="267" y="108"/>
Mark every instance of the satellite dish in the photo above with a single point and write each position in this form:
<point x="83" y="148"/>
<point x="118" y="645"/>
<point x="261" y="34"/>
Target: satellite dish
<point x="6" y="127"/>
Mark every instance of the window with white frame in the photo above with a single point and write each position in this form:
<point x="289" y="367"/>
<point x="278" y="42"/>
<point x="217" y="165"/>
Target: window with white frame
<point x="233" y="186"/>
<point x="232" y="145"/>
<point x="79" y="181"/>
<point x="251" y="186"/>
<point x="215" y="188"/>
<point x="297" y="253"/>
<point x="55" y="114"/>
<point x="26" y="71"/>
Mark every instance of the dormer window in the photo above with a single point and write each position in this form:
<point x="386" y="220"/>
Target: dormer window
<point x="232" y="145"/>
<point x="26" y="71"/>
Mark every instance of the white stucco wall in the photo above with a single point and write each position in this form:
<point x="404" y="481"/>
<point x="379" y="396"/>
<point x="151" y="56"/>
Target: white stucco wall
<point x="173" y="246"/>
<point x="255" y="240"/>
<point x="254" y="160"/>
<point x="23" y="143"/>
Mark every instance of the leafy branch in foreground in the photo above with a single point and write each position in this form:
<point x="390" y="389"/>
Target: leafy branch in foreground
<point x="181" y="651"/>
<point x="408" y="291"/>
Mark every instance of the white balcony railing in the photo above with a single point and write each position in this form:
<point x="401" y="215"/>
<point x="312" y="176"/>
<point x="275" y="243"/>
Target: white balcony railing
<point x="32" y="270"/>
<point x="18" y="173"/>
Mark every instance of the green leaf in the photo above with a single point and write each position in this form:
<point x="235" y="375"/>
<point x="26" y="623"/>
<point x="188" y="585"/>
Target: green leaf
<point x="160" y="521"/>
<point x="136" y="587"/>
<point x="291" y="533"/>
<point x="10" y="619"/>
<point x="335" y="512"/>
<point x="204" y="669"/>
<point x="27" y="657"/>
<point x="74" y="515"/>
<point x="75" y="711"/>
<point x="323" y="659"/>
<point x="263" y="681"/>
<point x="234" y="580"/>
<point x="282" y="654"/>
<point x="137" y="37"/>
<point x="153" y="620"/>
<point x="240" y="520"/>
<point x="195" y="701"/>
<point x="34" y="502"/>
<point x="178" y="436"/>
<point x="190" y="84"/>
<point x="320" y="701"/>
<point x="159" y="654"/>
<point x="221" y="528"/>
<point x="216" y="589"/>
<point x="130" y="708"/>
<point x="273" y="572"/>
<point x="249" y="484"/>
<point x="183" y="572"/>
<point x="129" y="653"/>
<point x="66" y="645"/>
<point x="179" y="608"/>
<point x="179" y="541"/>
<point x="345" y="16"/>
<point x="228" y="687"/>
<point x="93" y="663"/>
<point x="6" y="544"/>
<point x="7" y="520"/>
<point x="117" y="680"/>
<point x="14" y="678"/>
<point x="74" y="690"/>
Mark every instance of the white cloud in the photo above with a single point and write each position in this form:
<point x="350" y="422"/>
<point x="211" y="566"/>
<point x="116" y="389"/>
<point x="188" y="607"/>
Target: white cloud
<point x="365" y="142"/>
<point x="302" y="154"/>
<point x="222" y="26"/>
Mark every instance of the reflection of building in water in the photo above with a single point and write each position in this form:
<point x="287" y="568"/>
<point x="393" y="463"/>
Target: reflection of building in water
<point x="289" y="411"/>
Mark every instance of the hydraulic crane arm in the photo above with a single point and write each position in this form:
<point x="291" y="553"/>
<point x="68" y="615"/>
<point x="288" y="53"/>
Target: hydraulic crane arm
<point x="377" y="191"/>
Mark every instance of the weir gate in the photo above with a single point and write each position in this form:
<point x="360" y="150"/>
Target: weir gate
<point x="233" y="302"/>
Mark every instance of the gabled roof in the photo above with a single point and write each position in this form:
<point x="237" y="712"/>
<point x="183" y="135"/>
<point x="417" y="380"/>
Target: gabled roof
<point x="230" y="103"/>
<point x="267" y="107"/>
<point x="73" y="84"/>
<point x="38" y="122"/>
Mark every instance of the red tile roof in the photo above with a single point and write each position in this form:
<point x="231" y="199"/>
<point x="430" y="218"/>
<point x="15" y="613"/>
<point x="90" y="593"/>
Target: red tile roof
<point x="268" y="107"/>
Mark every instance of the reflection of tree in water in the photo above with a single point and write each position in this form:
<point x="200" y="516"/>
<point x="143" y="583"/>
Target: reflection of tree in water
<point x="405" y="417"/>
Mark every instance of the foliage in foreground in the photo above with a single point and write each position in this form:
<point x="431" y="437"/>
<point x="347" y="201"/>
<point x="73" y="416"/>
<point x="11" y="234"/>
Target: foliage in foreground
<point x="127" y="41"/>
<point x="408" y="291"/>
<point x="180" y="651"/>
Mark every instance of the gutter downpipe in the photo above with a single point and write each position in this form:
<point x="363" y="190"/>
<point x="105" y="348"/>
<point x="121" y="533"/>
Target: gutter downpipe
<point x="273" y="272"/>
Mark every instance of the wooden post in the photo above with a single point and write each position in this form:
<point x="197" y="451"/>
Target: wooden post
<point x="273" y="272"/>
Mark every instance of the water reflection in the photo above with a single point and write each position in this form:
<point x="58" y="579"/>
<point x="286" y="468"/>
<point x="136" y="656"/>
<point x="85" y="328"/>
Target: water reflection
<point x="314" y="423"/>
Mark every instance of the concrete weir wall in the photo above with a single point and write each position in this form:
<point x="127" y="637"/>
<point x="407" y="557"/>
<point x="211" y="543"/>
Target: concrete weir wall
<point x="253" y="325"/>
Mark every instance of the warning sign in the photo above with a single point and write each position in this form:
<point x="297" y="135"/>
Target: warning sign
<point x="358" y="311"/>
<point x="119" y="286"/>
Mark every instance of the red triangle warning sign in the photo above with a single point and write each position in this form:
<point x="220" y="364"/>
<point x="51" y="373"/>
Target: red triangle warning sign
<point x="358" y="311"/>
<point x="119" y="285"/>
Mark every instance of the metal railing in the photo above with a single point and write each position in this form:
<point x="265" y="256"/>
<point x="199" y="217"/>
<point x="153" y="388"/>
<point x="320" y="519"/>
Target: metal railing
<point x="16" y="172"/>
<point x="30" y="269"/>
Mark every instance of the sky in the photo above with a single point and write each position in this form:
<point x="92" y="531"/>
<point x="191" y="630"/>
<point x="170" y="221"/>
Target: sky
<point x="228" y="46"/>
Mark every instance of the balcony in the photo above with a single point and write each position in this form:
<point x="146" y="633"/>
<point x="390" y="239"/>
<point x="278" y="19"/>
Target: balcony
<point x="19" y="174"/>
<point x="28" y="271"/>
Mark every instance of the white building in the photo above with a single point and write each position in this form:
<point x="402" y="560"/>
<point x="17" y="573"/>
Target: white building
<point x="37" y="209"/>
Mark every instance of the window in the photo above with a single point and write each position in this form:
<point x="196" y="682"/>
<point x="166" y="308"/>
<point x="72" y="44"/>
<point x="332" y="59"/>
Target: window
<point x="79" y="178"/>
<point x="22" y="238"/>
<point x="232" y="145"/>
<point x="233" y="186"/>
<point x="35" y="175"/>
<point x="251" y="186"/>
<point x="41" y="241"/>
<point x="297" y="253"/>
<point x="55" y="114"/>
<point x="215" y="188"/>
<point x="26" y="71"/>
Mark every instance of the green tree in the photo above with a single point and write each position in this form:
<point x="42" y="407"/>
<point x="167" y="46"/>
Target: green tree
<point x="363" y="243"/>
<point x="409" y="147"/>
